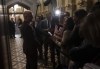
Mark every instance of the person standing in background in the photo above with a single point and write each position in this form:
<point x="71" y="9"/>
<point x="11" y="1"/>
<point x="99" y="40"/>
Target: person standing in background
<point x="40" y="36"/>
<point x="20" y="25"/>
<point x="12" y="28"/>
<point x="30" y="42"/>
<point x="43" y="27"/>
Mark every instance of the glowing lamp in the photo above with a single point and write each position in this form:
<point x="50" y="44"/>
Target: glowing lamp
<point x="57" y="12"/>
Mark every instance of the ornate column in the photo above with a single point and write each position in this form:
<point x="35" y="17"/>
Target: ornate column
<point x="59" y="3"/>
<point x="5" y="53"/>
<point x="34" y="7"/>
<point x="63" y="6"/>
<point x="89" y="4"/>
<point x="73" y="6"/>
<point x="81" y="4"/>
<point x="68" y="6"/>
<point x="53" y="6"/>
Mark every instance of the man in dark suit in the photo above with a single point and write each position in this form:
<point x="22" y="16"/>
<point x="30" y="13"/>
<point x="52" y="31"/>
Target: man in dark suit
<point x="30" y="42"/>
<point x="12" y="28"/>
<point x="44" y="28"/>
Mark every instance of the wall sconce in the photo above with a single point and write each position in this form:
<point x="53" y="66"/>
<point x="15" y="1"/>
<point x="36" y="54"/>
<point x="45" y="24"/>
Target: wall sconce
<point x="82" y="3"/>
<point x="69" y="6"/>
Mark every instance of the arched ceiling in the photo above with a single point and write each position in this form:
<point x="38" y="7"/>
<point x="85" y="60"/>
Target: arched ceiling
<point x="19" y="3"/>
<point x="24" y="3"/>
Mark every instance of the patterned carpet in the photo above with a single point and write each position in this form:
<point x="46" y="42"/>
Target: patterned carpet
<point x="18" y="57"/>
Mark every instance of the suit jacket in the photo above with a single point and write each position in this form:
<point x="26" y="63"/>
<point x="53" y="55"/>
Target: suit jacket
<point x="75" y="39"/>
<point x="11" y="26"/>
<point x="30" y="42"/>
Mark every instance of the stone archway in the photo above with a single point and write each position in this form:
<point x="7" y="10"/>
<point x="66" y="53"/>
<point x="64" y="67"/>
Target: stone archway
<point x="30" y="5"/>
<point x="25" y="5"/>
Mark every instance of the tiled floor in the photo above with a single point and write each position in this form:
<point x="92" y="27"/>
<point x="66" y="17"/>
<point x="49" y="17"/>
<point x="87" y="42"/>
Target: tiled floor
<point x="18" y="57"/>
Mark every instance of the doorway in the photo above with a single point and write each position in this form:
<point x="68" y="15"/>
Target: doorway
<point x="17" y="56"/>
<point x="16" y="12"/>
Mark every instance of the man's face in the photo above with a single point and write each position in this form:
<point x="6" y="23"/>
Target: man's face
<point x="28" y="16"/>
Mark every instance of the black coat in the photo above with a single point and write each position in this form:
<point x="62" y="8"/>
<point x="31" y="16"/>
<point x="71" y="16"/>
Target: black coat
<point x="30" y="42"/>
<point x="11" y="26"/>
<point x="84" y="54"/>
<point x="75" y="39"/>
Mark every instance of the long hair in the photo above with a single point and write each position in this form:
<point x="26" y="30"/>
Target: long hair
<point x="90" y="28"/>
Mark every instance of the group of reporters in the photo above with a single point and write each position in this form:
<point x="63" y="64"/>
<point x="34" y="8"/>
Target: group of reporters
<point x="78" y="36"/>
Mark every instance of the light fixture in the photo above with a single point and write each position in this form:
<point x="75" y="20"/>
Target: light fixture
<point x="69" y="6"/>
<point x="57" y="12"/>
<point x="15" y="7"/>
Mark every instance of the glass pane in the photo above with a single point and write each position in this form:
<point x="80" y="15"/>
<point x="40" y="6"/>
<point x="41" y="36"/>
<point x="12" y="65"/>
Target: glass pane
<point x="11" y="10"/>
<point x="17" y="9"/>
<point x="25" y="9"/>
